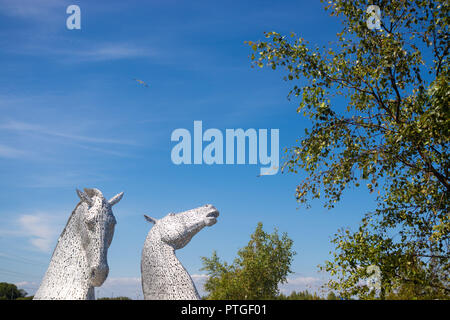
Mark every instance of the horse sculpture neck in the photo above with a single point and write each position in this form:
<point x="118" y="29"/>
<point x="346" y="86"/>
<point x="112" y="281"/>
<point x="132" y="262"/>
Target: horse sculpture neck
<point x="163" y="276"/>
<point x="167" y="278"/>
<point x="67" y="276"/>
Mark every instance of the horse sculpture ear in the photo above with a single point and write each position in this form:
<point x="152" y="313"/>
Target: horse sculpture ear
<point x="84" y="197"/>
<point x="149" y="219"/>
<point x="115" y="199"/>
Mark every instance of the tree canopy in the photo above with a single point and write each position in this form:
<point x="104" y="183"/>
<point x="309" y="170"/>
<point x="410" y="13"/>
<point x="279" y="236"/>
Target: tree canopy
<point x="304" y="295"/>
<point x="391" y="135"/>
<point x="9" y="291"/>
<point x="260" y="267"/>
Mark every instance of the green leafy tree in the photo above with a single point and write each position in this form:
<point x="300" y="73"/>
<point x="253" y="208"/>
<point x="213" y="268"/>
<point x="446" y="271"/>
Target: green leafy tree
<point x="379" y="103"/>
<point x="332" y="296"/>
<point x="257" y="271"/>
<point x="301" y="295"/>
<point x="9" y="291"/>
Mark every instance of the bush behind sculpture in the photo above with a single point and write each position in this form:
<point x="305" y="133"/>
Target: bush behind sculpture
<point x="257" y="271"/>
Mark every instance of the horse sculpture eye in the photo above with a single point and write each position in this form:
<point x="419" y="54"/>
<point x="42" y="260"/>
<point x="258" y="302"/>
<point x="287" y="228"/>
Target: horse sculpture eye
<point x="90" y="224"/>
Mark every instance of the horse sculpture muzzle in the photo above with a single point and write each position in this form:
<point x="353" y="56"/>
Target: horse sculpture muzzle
<point x="99" y="274"/>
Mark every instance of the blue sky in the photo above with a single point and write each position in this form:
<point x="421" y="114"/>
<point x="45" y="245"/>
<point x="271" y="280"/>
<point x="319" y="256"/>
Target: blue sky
<point x="73" y="117"/>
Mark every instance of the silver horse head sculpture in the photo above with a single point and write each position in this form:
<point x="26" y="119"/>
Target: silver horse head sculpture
<point x="79" y="262"/>
<point x="163" y="276"/>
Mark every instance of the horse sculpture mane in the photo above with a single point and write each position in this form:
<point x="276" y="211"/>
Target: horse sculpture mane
<point x="163" y="276"/>
<point x="79" y="261"/>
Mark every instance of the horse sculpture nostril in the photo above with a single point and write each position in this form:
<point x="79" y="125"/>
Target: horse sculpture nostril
<point x="213" y="214"/>
<point x="98" y="275"/>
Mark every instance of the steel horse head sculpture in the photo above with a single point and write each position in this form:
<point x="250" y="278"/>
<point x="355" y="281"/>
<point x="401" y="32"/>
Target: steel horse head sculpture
<point x="163" y="276"/>
<point x="79" y="262"/>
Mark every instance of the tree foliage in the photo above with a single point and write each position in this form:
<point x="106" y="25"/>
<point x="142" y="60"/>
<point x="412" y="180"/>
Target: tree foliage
<point x="257" y="271"/>
<point x="391" y="134"/>
<point x="301" y="295"/>
<point x="9" y="291"/>
<point x="332" y="296"/>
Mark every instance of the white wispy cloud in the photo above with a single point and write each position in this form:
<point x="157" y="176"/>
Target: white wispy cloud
<point x="26" y="283"/>
<point x="120" y="287"/>
<point x="29" y="286"/>
<point x="41" y="229"/>
<point x="199" y="277"/>
<point x="199" y="281"/>
<point x="37" y="129"/>
<point x="9" y="152"/>
<point x="73" y="136"/>
<point x="302" y="283"/>
<point x="30" y="9"/>
<point x="64" y="179"/>
<point x="107" y="51"/>
<point x="83" y="51"/>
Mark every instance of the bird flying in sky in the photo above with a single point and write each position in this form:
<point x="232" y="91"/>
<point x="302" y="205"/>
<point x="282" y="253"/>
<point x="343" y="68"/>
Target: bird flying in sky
<point x="141" y="82"/>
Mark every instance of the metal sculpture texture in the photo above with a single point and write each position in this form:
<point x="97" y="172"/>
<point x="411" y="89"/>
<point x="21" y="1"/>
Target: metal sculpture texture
<point x="79" y="261"/>
<point x="163" y="276"/>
